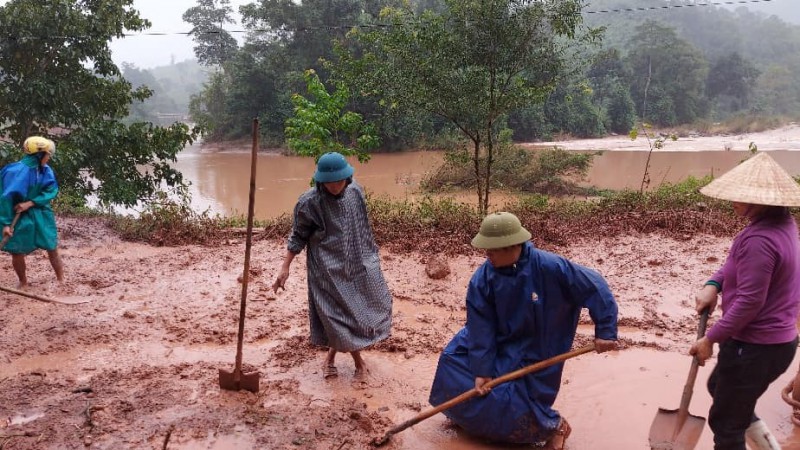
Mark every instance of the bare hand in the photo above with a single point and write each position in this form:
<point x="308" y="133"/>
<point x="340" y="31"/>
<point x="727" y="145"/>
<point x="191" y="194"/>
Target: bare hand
<point x="280" y="281"/>
<point x="706" y="298"/>
<point x="23" y="206"/>
<point x="480" y="383"/>
<point x="603" y="345"/>
<point x="702" y="350"/>
<point x="7" y="231"/>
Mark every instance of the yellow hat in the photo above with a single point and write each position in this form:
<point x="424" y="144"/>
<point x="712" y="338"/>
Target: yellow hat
<point x="36" y="144"/>
<point x="759" y="181"/>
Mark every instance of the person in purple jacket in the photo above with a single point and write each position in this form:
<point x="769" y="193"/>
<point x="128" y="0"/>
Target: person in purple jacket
<point x="759" y="286"/>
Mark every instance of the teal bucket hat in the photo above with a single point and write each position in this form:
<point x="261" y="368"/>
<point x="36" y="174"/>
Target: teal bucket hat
<point x="499" y="230"/>
<point x="332" y="167"/>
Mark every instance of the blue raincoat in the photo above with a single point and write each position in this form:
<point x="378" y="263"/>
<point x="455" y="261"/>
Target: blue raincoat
<point x="36" y="228"/>
<point x="517" y="316"/>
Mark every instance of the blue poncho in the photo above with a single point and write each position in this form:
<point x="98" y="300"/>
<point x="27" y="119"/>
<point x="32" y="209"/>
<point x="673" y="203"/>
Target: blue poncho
<point x="36" y="228"/>
<point x="517" y="316"/>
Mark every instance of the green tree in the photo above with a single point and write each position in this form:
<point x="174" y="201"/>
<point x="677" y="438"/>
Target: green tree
<point x="471" y="64"/>
<point x="213" y="45"/>
<point x="570" y="110"/>
<point x="620" y="110"/>
<point x="57" y="79"/>
<point x="319" y="124"/>
<point x="732" y="77"/>
<point x="662" y="62"/>
<point x="608" y="77"/>
<point x="207" y="107"/>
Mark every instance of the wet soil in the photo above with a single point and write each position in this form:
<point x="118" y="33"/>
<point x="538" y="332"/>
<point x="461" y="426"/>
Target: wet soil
<point x="137" y="366"/>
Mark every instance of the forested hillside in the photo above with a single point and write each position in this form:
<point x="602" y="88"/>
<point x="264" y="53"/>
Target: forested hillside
<point x="663" y="62"/>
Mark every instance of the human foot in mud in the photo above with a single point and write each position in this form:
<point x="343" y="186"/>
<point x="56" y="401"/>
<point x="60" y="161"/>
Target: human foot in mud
<point x="329" y="371"/>
<point x="361" y="375"/>
<point x="328" y="367"/>
<point x="559" y="439"/>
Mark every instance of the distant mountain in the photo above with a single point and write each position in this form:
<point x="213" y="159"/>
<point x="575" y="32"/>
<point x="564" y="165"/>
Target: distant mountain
<point x="172" y="86"/>
<point x="180" y="81"/>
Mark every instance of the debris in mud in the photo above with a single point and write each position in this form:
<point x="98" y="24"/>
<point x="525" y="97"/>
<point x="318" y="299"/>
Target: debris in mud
<point x="437" y="268"/>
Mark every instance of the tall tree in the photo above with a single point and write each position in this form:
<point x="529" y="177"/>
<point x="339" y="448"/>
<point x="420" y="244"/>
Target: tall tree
<point x="664" y="64"/>
<point x="734" y="77"/>
<point x="57" y="79"/>
<point x="213" y="44"/>
<point x="470" y="64"/>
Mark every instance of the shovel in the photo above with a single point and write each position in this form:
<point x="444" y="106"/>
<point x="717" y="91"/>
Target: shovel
<point x="474" y="392"/>
<point x="677" y="429"/>
<point x="236" y="380"/>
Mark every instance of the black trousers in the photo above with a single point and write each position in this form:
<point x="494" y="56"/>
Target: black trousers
<point x="743" y="373"/>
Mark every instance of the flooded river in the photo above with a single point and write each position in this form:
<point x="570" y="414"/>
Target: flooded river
<point x="220" y="180"/>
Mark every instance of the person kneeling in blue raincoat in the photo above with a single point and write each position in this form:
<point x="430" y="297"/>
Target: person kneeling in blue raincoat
<point x="523" y="306"/>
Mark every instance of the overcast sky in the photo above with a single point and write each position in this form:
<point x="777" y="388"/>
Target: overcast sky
<point x="166" y="17"/>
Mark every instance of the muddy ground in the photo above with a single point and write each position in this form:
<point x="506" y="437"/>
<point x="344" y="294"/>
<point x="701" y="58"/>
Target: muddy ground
<point x="137" y="366"/>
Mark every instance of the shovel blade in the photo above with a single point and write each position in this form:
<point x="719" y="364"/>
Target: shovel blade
<point x="666" y="422"/>
<point x="238" y="380"/>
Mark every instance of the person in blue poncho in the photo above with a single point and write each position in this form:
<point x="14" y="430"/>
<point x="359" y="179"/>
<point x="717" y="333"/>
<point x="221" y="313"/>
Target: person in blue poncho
<point x="28" y="186"/>
<point x="523" y="306"/>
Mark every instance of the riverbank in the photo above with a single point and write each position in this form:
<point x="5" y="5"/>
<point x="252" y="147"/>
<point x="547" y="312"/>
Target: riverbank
<point x="784" y="138"/>
<point x="136" y="367"/>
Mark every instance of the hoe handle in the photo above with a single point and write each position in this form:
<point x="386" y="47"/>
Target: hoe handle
<point x="13" y="224"/>
<point x="474" y="392"/>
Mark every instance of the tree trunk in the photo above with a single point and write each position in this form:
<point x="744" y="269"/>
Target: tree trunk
<point x="479" y="181"/>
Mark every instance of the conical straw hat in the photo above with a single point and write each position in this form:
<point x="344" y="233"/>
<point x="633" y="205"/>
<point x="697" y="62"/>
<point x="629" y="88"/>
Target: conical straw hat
<point x="759" y="180"/>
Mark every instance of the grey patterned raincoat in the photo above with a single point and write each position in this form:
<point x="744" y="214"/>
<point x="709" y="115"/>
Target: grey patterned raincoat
<point x="348" y="301"/>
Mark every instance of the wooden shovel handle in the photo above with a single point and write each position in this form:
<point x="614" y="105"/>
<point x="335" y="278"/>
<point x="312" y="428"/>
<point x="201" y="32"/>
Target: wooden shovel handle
<point x="13" y="224"/>
<point x="474" y="392"/>
<point x="688" y="388"/>
<point x="248" y="245"/>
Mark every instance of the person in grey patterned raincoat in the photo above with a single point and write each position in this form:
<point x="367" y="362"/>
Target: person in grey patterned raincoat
<point x="349" y="304"/>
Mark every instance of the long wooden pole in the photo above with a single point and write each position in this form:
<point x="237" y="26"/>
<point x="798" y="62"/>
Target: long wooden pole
<point x="42" y="298"/>
<point x="247" y="247"/>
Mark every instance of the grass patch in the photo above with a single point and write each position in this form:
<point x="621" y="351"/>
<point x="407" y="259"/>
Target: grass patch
<point x="440" y="225"/>
<point x="514" y="169"/>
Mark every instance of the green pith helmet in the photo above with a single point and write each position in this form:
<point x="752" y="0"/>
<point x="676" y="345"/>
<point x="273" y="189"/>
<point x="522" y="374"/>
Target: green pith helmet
<point x="498" y="230"/>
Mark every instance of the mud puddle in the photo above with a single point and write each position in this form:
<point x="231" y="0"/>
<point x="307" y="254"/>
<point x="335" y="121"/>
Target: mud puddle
<point x="609" y="399"/>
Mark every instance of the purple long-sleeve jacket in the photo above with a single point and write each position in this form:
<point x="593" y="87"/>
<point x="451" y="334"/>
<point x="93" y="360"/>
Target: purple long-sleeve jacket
<point x="761" y="283"/>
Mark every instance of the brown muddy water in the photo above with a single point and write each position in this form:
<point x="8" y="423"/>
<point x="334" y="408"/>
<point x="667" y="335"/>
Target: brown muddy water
<point x="220" y="180"/>
<point x="610" y="399"/>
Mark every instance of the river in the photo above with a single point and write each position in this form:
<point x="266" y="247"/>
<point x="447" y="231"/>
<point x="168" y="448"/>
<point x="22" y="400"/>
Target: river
<point x="220" y="180"/>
